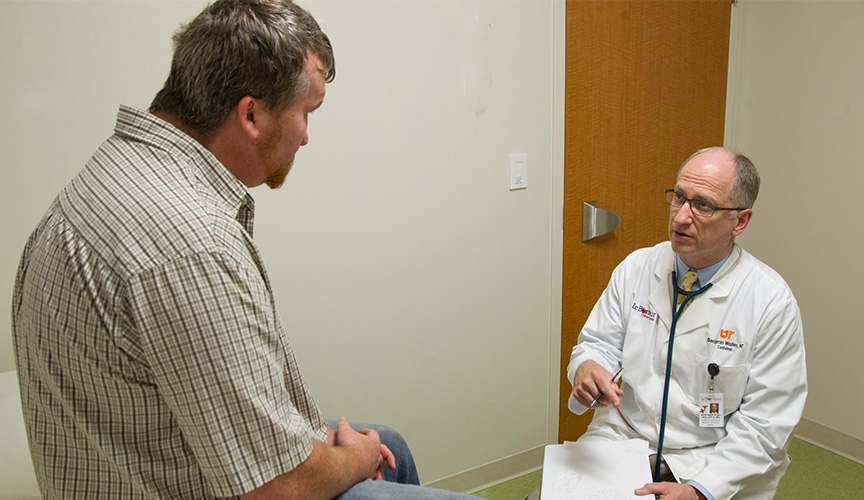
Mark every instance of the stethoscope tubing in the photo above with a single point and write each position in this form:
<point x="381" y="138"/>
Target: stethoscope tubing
<point x="677" y="311"/>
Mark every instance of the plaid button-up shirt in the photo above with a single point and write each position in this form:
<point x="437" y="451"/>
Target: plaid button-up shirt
<point x="152" y="361"/>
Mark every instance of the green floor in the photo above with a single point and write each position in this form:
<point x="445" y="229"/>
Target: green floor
<point x="815" y="473"/>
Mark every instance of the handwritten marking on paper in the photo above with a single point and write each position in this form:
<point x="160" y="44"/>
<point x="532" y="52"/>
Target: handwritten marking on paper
<point x="567" y="484"/>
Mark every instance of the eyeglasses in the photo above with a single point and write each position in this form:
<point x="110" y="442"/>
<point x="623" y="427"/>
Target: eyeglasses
<point x="698" y="207"/>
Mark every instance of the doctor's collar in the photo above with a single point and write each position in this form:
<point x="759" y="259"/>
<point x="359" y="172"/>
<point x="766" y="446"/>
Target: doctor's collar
<point x="705" y="274"/>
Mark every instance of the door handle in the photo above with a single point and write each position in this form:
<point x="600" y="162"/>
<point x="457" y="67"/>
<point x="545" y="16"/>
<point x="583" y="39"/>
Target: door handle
<point x="596" y="221"/>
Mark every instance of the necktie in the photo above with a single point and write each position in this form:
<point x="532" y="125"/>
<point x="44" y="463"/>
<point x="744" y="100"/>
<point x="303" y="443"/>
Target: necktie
<point x="687" y="284"/>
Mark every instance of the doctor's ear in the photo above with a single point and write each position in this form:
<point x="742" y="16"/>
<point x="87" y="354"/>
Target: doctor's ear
<point x="742" y="220"/>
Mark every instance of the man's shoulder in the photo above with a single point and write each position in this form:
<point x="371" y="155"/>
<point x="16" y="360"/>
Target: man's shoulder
<point x="754" y="271"/>
<point x="650" y="255"/>
<point x="139" y="209"/>
<point x="645" y="262"/>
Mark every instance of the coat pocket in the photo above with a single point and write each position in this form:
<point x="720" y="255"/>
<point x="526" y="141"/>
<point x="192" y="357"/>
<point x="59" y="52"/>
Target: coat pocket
<point x="731" y="381"/>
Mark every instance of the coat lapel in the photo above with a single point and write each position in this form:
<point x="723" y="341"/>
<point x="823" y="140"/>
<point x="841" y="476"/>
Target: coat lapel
<point x="698" y="314"/>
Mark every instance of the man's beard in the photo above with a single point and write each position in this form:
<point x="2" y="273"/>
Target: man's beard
<point x="277" y="178"/>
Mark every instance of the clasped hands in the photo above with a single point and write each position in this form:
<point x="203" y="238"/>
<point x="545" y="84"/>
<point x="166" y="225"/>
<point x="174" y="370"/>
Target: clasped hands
<point x="368" y="445"/>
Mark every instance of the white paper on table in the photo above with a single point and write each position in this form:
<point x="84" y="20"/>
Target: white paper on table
<point x="595" y="470"/>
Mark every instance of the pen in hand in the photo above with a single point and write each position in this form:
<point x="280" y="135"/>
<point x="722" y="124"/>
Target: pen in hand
<point x="614" y="381"/>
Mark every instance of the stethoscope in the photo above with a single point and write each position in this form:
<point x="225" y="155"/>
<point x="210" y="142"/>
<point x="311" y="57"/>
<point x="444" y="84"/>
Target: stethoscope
<point x="677" y="311"/>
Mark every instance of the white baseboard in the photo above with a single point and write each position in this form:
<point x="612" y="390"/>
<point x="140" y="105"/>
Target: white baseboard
<point x="492" y="473"/>
<point x="831" y="439"/>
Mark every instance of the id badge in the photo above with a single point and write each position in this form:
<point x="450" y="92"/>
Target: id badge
<point x="711" y="409"/>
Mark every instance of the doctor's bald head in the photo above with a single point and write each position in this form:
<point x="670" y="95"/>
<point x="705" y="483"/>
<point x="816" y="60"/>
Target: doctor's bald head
<point x="745" y="187"/>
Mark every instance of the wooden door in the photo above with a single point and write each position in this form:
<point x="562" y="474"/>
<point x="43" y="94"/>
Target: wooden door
<point x="645" y="88"/>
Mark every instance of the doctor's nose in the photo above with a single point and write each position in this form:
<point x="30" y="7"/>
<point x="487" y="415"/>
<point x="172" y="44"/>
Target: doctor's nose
<point x="683" y="214"/>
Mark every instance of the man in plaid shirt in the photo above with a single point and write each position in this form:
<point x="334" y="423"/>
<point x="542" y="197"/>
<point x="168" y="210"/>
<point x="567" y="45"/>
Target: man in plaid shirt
<point x="151" y="357"/>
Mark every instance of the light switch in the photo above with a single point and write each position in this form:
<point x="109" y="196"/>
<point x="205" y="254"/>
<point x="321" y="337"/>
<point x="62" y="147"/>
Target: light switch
<point x="518" y="171"/>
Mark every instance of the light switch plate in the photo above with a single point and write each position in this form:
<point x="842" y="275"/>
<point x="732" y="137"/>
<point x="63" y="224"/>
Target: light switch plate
<point x="518" y="171"/>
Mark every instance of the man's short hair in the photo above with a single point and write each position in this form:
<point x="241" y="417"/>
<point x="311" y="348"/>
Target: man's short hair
<point x="236" y="48"/>
<point x="746" y="186"/>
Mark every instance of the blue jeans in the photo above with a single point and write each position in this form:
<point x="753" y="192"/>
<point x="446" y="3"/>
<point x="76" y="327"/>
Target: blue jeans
<point x="400" y="484"/>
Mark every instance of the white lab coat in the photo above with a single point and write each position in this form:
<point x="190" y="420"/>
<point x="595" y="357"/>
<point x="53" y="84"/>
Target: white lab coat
<point x="762" y="372"/>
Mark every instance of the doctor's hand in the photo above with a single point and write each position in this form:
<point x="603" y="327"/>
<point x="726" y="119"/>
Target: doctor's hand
<point x="670" y="491"/>
<point x="590" y="380"/>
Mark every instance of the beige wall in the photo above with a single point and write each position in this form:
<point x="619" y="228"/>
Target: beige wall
<point x="796" y="107"/>
<point x="417" y="290"/>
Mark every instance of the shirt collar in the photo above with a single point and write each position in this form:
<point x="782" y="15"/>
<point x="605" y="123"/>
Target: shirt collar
<point x="231" y="196"/>
<point x="705" y="274"/>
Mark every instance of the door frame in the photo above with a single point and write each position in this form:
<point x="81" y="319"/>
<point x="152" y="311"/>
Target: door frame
<point x="559" y="63"/>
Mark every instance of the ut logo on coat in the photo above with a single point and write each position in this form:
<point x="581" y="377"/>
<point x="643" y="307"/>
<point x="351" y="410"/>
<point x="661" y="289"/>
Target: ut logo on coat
<point x="726" y="334"/>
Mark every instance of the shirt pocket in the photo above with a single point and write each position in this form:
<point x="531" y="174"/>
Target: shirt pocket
<point x="731" y="381"/>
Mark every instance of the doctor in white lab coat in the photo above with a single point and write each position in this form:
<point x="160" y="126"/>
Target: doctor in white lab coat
<point x="747" y="324"/>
